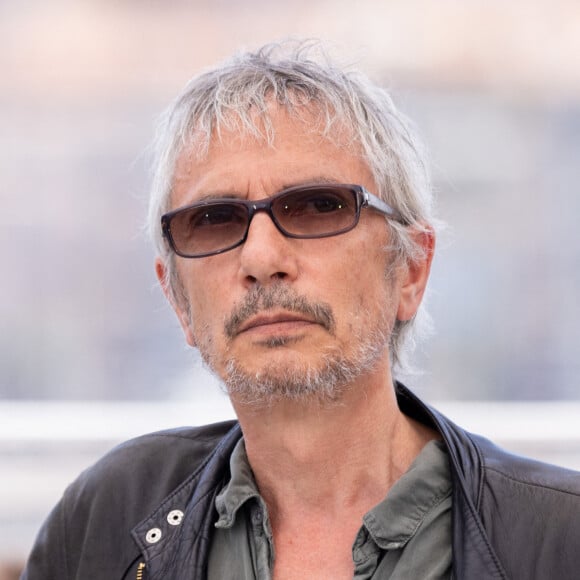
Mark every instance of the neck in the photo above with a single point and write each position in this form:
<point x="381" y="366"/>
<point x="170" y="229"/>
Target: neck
<point x="329" y="458"/>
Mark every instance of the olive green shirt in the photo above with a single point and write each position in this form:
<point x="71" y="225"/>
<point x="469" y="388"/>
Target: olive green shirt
<point x="407" y="535"/>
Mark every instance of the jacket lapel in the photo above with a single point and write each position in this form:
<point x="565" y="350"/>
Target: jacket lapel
<point x="175" y="538"/>
<point x="473" y="554"/>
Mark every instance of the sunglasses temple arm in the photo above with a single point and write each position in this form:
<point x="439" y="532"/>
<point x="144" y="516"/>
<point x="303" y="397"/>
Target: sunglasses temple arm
<point x="372" y="201"/>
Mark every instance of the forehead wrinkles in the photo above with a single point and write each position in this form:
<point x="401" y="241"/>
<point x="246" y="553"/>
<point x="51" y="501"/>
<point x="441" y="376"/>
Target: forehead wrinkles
<point x="233" y="130"/>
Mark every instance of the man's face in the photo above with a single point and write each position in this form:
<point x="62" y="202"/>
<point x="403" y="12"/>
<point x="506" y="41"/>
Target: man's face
<point x="276" y="316"/>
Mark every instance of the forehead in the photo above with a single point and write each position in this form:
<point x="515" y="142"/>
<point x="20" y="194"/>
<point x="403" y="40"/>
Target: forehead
<point x="267" y="128"/>
<point x="281" y="149"/>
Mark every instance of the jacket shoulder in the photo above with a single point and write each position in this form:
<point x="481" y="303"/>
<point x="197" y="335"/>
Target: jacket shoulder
<point x="532" y="509"/>
<point x="175" y="452"/>
<point x="137" y="474"/>
<point x="500" y="464"/>
<point x="95" y="516"/>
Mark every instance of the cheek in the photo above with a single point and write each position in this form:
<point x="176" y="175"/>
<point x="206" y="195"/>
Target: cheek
<point x="201" y="296"/>
<point x="374" y="294"/>
<point x="204" y="306"/>
<point x="356" y="290"/>
<point x="212" y="296"/>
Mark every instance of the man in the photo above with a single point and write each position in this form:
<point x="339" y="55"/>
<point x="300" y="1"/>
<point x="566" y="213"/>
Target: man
<point x="292" y="215"/>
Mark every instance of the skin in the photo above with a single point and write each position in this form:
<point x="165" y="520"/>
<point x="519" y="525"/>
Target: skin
<point x="320" y="465"/>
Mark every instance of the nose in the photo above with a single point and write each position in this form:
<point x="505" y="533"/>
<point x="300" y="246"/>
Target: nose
<point x="267" y="255"/>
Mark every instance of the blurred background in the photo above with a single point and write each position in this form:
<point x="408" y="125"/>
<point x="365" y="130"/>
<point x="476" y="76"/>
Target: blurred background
<point x="89" y="351"/>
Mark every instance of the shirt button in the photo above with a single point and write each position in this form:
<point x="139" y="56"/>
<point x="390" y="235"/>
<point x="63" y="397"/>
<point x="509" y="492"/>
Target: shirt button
<point x="153" y="536"/>
<point x="175" y="517"/>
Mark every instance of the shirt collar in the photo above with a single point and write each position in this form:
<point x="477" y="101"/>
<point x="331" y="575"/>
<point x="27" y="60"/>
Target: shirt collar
<point x="241" y="488"/>
<point x="396" y="519"/>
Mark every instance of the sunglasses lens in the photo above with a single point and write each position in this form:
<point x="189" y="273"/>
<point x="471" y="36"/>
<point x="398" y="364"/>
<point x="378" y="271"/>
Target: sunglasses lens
<point x="208" y="229"/>
<point x="316" y="212"/>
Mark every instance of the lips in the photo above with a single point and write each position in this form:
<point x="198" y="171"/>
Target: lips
<point x="265" y="321"/>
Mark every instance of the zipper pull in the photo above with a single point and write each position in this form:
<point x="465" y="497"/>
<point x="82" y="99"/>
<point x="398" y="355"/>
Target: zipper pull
<point x="140" y="571"/>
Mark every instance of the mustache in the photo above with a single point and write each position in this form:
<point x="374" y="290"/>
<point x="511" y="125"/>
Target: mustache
<point x="266" y="298"/>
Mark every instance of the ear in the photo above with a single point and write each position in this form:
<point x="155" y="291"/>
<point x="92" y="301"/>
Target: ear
<point x="415" y="276"/>
<point x="177" y="302"/>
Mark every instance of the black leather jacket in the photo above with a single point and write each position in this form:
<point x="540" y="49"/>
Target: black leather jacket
<point x="145" y="511"/>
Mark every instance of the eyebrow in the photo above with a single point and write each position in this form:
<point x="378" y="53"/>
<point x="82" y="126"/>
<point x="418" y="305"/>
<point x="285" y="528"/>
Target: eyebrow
<point x="218" y="196"/>
<point x="319" y="180"/>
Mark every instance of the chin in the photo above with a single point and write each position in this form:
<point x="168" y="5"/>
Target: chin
<point x="293" y="379"/>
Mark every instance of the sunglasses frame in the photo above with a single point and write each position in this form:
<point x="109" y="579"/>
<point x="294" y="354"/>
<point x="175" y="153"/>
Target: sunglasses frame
<point x="363" y="199"/>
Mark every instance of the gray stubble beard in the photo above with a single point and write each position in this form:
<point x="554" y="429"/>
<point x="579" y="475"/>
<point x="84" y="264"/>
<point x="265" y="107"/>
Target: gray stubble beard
<point x="323" y="384"/>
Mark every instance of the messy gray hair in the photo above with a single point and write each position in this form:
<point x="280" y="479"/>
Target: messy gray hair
<point x="300" y="77"/>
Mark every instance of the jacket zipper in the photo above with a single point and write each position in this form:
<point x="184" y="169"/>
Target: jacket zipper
<point x="140" y="570"/>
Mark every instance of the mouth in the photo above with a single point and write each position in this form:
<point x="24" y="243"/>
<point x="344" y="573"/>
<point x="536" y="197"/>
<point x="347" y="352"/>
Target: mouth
<point x="281" y="323"/>
<point x="277" y="310"/>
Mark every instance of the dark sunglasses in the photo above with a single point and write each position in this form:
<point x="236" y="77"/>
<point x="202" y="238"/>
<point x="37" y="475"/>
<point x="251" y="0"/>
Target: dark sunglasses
<point x="314" y="211"/>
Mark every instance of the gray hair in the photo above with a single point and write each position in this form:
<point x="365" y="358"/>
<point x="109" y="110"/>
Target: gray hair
<point x="300" y="77"/>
